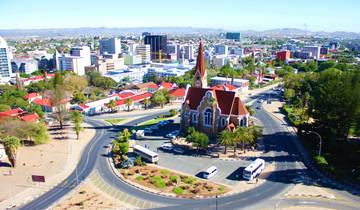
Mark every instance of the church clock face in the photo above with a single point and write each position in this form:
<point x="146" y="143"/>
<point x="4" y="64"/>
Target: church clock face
<point x="197" y="83"/>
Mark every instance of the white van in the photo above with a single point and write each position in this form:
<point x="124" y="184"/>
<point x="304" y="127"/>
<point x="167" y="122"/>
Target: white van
<point x="210" y="172"/>
<point x="254" y="169"/>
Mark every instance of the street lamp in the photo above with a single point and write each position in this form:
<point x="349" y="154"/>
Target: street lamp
<point x="320" y="140"/>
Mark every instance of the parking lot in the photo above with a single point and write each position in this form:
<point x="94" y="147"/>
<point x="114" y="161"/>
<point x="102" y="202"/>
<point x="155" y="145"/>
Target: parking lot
<point x="229" y="172"/>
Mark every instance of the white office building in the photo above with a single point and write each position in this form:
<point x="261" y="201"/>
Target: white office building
<point x="221" y="49"/>
<point x="134" y="75"/>
<point x="241" y="84"/>
<point x="185" y="52"/>
<point x="24" y="64"/>
<point x="5" y="64"/>
<point x="144" y="52"/>
<point x="110" y="46"/>
<point x="76" y="61"/>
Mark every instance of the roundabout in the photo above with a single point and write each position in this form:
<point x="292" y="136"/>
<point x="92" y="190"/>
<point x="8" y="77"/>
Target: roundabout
<point x="280" y="150"/>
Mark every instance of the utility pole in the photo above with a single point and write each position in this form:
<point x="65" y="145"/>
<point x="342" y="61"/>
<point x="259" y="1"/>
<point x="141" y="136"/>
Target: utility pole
<point x="216" y="202"/>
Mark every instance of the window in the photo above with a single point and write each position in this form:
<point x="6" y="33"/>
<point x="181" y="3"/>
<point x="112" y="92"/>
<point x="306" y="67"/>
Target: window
<point x="194" y="117"/>
<point x="223" y="122"/>
<point x="208" y="117"/>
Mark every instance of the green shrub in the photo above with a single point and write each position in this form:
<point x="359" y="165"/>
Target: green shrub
<point x="221" y="189"/>
<point x="139" y="178"/>
<point x="178" y="190"/>
<point x="173" y="179"/>
<point x="188" y="180"/>
<point x="320" y="160"/>
<point x="158" y="182"/>
<point x="164" y="172"/>
<point x="138" y="161"/>
<point x="172" y="112"/>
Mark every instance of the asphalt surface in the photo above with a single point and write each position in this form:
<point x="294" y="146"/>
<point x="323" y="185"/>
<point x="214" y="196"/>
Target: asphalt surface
<point x="289" y="170"/>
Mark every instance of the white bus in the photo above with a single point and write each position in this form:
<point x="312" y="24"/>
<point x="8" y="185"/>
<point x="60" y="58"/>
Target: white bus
<point x="146" y="154"/>
<point x="254" y="169"/>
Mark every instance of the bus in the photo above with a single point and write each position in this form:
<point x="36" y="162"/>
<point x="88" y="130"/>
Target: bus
<point x="146" y="154"/>
<point x="254" y="169"/>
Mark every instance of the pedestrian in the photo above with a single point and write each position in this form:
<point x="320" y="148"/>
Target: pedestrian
<point x="257" y="180"/>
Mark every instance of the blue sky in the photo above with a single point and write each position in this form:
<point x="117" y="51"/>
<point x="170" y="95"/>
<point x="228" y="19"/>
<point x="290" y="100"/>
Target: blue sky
<point x="328" y="15"/>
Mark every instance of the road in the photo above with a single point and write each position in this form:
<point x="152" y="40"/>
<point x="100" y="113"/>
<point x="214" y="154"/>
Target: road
<point x="289" y="170"/>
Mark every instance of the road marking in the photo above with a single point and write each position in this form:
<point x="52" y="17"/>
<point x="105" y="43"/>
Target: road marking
<point x="120" y="196"/>
<point x="131" y="199"/>
<point x="144" y="205"/>
<point x="125" y="198"/>
<point x="101" y="185"/>
<point x="105" y="187"/>
<point x="138" y="203"/>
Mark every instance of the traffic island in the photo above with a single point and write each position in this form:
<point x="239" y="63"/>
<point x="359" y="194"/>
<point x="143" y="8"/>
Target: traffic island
<point x="166" y="182"/>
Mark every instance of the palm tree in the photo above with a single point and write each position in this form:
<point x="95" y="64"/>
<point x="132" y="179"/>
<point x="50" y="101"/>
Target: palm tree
<point x="241" y="137"/>
<point x="129" y="103"/>
<point x="77" y="118"/>
<point x="11" y="144"/>
<point x="111" y="105"/>
<point x="146" y="103"/>
<point x="226" y="139"/>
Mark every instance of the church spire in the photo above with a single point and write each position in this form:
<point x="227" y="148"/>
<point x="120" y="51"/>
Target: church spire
<point x="200" y="68"/>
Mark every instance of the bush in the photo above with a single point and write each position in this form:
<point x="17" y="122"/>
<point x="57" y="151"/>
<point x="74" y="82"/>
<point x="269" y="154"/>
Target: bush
<point x="139" y="178"/>
<point x="178" y="190"/>
<point x="221" y="189"/>
<point x="195" y="190"/>
<point x="164" y="172"/>
<point x="173" y="179"/>
<point x="172" y="112"/>
<point x="158" y="182"/>
<point x="138" y="161"/>
<point x="189" y="180"/>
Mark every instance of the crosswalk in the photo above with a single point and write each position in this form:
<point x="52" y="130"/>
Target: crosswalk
<point x="119" y="195"/>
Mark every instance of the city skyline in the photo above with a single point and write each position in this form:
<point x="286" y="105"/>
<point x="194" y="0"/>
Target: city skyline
<point x="227" y="14"/>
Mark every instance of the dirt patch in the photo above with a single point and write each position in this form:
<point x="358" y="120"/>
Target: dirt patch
<point x="170" y="183"/>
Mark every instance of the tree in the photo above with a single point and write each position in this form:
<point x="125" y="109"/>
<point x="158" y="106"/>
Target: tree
<point x="199" y="140"/>
<point x="146" y="103"/>
<point x="58" y="80"/>
<point x="112" y="105"/>
<point x="73" y="82"/>
<point x="250" y="110"/>
<point x="77" y="118"/>
<point x="126" y="135"/>
<point x="226" y="139"/>
<point x="159" y="98"/>
<point x="11" y="144"/>
<point x="37" y="132"/>
<point x="79" y="97"/>
<point x="57" y="101"/>
<point x="289" y="94"/>
<point x="4" y="107"/>
<point x="172" y="112"/>
<point x="129" y="102"/>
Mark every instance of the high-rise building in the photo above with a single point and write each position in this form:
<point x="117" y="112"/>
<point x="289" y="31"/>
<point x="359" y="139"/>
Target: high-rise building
<point x="233" y="36"/>
<point x="185" y="52"/>
<point x="76" y="61"/>
<point x="221" y="49"/>
<point x="24" y="64"/>
<point x="144" y="52"/>
<point x="158" y="45"/>
<point x="313" y="50"/>
<point x="110" y="46"/>
<point x="83" y="52"/>
<point x="5" y="64"/>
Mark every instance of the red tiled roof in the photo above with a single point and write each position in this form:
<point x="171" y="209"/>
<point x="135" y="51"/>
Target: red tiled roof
<point x="47" y="101"/>
<point x="238" y="107"/>
<point x="166" y="85"/>
<point x="31" y="95"/>
<point x="224" y="87"/>
<point x="178" y="92"/>
<point x="226" y="100"/>
<point x="125" y="94"/>
<point x="152" y="85"/>
<point x="135" y="98"/>
<point x="30" y="117"/>
<point x="84" y="106"/>
<point x="12" y="113"/>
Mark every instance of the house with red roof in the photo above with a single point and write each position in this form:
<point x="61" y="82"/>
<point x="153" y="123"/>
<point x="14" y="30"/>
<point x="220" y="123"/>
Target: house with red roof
<point x="47" y="106"/>
<point x="211" y="110"/>
<point x="177" y="95"/>
<point x="143" y="87"/>
<point x="20" y="114"/>
<point x="167" y="85"/>
<point x="136" y="99"/>
<point x="32" y="96"/>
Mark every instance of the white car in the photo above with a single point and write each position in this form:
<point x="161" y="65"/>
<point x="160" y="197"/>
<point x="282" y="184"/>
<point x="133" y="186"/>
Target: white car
<point x="210" y="172"/>
<point x="167" y="147"/>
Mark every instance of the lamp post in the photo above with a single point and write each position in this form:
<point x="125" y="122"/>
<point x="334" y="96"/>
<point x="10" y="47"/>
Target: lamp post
<point x="216" y="202"/>
<point x="320" y="142"/>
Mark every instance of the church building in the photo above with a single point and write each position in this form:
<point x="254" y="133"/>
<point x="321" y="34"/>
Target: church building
<point x="211" y="110"/>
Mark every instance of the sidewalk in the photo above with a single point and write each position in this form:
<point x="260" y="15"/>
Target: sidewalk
<point x="54" y="160"/>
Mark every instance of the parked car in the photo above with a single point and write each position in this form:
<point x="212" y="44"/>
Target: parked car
<point x="148" y="130"/>
<point x="210" y="172"/>
<point x="178" y="150"/>
<point x="154" y="127"/>
<point x="167" y="147"/>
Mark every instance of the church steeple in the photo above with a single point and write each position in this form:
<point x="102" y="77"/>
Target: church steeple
<point x="200" y="80"/>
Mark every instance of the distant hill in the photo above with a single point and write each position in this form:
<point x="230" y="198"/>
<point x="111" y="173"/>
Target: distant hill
<point x="103" y="31"/>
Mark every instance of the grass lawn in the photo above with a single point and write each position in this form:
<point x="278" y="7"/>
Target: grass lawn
<point x="115" y="120"/>
<point x="153" y="121"/>
<point x="167" y="181"/>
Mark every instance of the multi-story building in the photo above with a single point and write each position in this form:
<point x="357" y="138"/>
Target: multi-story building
<point x="5" y="65"/>
<point x="76" y="61"/>
<point x="144" y="52"/>
<point x="158" y="45"/>
<point x="110" y="46"/>
<point x="132" y="59"/>
<point x="221" y="49"/>
<point x="236" y="51"/>
<point x="104" y="65"/>
<point x="313" y="50"/>
<point x="134" y="75"/>
<point x="283" y="55"/>
<point x="185" y="52"/>
<point x="233" y="36"/>
<point x="24" y="64"/>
